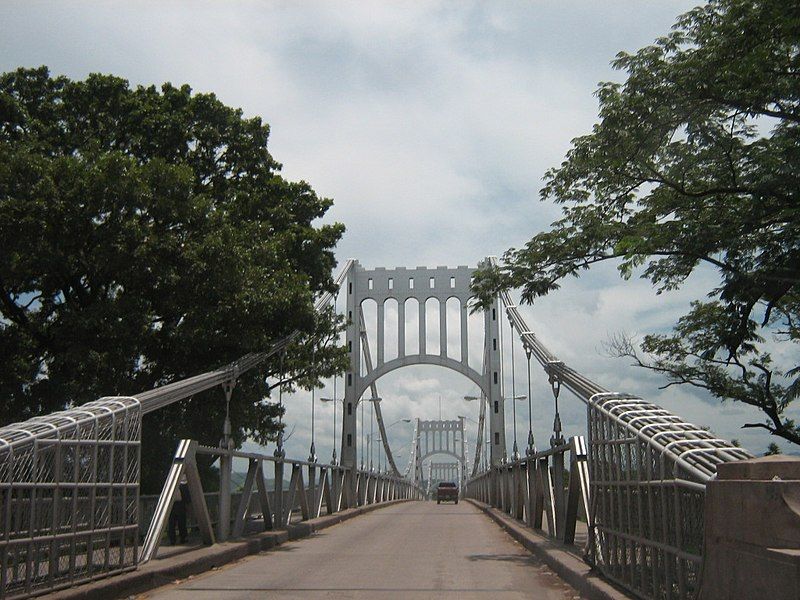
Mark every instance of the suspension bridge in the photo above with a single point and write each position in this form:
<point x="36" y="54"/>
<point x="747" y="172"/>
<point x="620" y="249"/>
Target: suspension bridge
<point x="635" y="494"/>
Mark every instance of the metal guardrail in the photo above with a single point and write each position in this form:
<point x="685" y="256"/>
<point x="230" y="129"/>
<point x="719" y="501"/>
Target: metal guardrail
<point x="69" y="491"/>
<point x="648" y="472"/>
<point x="326" y="486"/>
<point x="644" y="509"/>
<point x="539" y="490"/>
<point x="149" y="502"/>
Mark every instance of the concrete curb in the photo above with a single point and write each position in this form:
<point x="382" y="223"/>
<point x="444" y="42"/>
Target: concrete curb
<point x="567" y="566"/>
<point x="163" y="572"/>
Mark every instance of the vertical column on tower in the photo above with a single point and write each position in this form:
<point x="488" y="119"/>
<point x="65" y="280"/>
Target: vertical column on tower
<point x="352" y="378"/>
<point x="401" y="327"/>
<point x="497" y="420"/>
<point x="381" y="322"/>
<point x="464" y="325"/>
<point x="443" y="327"/>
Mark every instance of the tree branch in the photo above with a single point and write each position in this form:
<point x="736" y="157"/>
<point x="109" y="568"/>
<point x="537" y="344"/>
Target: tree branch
<point x="18" y="315"/>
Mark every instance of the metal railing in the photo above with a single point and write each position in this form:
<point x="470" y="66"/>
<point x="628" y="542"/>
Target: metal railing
<point x="149" y="502"/>
<point x="648" y="469"/>
<point x="69" y="490"/>
<point x="648" y="474"/>
<point x="544" y="489"/>
<point x="325" y="489"/>
<point x="641" y="483"/>
<point x="643" y="505"/>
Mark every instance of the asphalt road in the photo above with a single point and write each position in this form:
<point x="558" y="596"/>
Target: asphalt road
<point x="409" y="550"/>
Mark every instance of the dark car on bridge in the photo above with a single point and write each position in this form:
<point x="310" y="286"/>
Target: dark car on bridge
<point x="446" y="491"/>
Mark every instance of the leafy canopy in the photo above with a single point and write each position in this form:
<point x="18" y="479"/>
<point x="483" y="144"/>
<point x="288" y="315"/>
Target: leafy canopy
<point x="695" y="160"/>
<point x="145" y="236"/>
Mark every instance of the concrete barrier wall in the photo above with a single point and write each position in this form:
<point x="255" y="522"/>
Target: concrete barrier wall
<point x="752" y="531"/>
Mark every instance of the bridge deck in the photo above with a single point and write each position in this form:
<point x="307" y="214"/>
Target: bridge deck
<point x="409" y="550"/>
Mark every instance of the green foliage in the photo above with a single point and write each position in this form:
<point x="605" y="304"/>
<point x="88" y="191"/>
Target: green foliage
<point x="695" y="160"/>
<point x="772" y="449"/>
<point x="145" y="236"/>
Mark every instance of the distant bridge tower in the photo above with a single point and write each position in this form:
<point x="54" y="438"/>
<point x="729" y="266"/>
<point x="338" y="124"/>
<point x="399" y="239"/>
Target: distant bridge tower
<point x="428" y="287"/>
<point x="445" y="471"/>
<point x="444" y="437"/>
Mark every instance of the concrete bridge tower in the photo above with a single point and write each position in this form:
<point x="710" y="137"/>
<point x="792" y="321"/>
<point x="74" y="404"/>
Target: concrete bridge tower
<point x="421" y="284"/>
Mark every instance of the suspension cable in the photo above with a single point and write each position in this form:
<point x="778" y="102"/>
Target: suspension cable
<point x="371" y="429"/>
<point x="312" y="454"/>
<point x="531" y="444"/>
<point x="333" y="454"/>
<point x="335" y="400"/>
<point x="555" y="384"/>
<point x="280" y="389"/>
<point x="363" y="430"/>
<point x="279" y="451"/>
<point x="515" y="453"/>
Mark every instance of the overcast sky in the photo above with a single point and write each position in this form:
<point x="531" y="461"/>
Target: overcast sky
<point x="430" y="125"/>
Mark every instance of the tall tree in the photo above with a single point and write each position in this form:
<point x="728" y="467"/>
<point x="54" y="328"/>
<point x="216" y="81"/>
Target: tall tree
<point x="146" y="235"/>
<point x="695" y="161"/>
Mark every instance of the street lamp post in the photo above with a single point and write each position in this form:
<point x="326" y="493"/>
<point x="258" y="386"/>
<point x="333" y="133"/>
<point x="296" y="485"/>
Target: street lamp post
<point x="312" y="453"/>
<point x="373" y="400"/>
<point x="388" y="427"/>
<point x="466" y="452"/>
<point x="369" y="450"/>
<point x="478" y="399"/>
<point x="505" y="398"/>
<point x="333" y="400"/>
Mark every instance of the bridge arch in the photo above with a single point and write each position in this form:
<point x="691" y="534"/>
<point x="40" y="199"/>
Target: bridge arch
<point x="423" y="359"/>
<point x="427" y="455"/>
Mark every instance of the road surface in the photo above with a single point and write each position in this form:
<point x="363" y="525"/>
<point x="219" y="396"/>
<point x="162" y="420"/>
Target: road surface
<point x="408" y="550"/>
